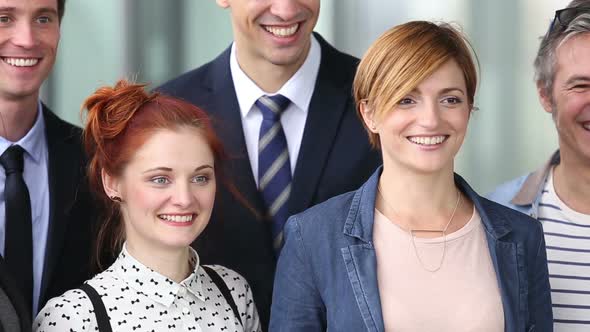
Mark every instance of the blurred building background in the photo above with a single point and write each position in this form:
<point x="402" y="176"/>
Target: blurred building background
<point x="155" y="40"/>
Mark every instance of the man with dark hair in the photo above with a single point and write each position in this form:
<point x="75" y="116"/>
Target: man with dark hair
<point x="558" y="194"/>
<point x="61" y="8"/>
<point x="45" y="211"/>
<point x="280" y="97"/>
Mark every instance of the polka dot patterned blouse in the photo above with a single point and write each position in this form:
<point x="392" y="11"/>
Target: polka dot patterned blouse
<point x="139" y="299"/>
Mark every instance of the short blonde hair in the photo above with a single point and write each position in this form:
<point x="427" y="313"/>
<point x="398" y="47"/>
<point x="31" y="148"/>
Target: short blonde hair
<point x="404" y="56"/>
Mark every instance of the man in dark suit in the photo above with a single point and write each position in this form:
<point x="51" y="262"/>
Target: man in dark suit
<point x="280" y="98"/>
<point x="45" y="210"/>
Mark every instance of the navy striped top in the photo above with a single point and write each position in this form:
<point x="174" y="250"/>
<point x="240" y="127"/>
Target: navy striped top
<point x="567" y="236"/>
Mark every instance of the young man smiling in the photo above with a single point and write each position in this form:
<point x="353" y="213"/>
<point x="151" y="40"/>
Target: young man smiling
<point x="280" y="97"/>
<point x="44" y="217"/>
<point x="558" y="194"/>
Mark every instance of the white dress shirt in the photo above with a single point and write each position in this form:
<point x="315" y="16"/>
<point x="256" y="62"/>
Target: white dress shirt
<point x="35" y="175"/>
<point x="299" y="89"/>
<point x="137" y="298"/>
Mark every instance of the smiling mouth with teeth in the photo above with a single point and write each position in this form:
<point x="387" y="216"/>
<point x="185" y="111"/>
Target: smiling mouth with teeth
<point x="282" y="31"/>
<point x="180" y="219"/>
<point x="428" y="140"/>
<point x="21" y="62"/>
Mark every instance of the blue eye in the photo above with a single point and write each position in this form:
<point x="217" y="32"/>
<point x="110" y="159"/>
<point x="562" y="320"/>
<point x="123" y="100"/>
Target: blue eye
<point x="44" y="20"/>
<point x="4" y="19"/>
<point x="160" y="180"/>
<point x="201" y="179"/>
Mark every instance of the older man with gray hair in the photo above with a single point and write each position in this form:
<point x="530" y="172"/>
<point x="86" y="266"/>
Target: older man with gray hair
<point x="558" y="194"/>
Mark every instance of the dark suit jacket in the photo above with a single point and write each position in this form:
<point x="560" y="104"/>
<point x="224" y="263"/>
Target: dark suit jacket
<point x="69" y="238"/>
<point x="335" y="157"/>
<point x="9" y="287"/>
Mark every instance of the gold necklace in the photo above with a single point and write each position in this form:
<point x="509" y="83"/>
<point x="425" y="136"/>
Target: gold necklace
<point x="411" y="231"/>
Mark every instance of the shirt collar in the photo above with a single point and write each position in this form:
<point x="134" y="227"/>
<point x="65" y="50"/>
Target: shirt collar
<point x="152" y="284"/>
<point x="298" y="88"/>
<point x="34" y="141"/>
<point x="533" y="185"/>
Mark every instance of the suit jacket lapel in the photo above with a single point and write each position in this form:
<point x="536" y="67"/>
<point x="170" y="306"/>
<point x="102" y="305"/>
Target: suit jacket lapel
<point x="62" y="188"/>
<point x="225" y="112"/>
<point x="330" y="100"/>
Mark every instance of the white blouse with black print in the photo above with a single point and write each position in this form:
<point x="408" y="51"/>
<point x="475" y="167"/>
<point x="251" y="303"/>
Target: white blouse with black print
<point x="139" y="299"/>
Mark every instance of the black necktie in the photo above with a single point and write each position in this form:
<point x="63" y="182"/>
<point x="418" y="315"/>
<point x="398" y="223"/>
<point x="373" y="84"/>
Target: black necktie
<point x="18" y="243"/>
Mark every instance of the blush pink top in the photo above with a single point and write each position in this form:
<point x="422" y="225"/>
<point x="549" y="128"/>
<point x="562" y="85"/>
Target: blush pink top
<point x="462" y="295"/>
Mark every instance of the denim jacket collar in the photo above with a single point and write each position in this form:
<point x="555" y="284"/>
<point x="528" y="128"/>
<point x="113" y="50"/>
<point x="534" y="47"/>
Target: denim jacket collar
<point x="359" y="221"/>
<point x="533" y="185"/>
<point x="360" y="218"/>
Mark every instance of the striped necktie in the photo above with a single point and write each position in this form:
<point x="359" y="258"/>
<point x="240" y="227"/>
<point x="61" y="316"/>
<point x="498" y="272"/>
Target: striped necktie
<point x="274" y="168"/>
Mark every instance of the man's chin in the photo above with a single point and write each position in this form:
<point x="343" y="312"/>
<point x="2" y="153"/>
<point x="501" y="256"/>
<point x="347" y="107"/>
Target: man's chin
<point x="286" y="57"/>
<point x="16" y="93"/>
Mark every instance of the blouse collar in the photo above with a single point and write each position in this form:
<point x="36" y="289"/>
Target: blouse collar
<point x="154" y="285"/>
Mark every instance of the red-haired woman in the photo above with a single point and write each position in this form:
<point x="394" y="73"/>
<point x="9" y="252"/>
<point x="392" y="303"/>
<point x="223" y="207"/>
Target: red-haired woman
<point x="154" y="162"/>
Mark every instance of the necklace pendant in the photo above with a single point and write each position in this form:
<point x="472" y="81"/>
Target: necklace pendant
<point x="443" y="232"/>
<point x="428" y="231"/>
<point x="420" y="256"/>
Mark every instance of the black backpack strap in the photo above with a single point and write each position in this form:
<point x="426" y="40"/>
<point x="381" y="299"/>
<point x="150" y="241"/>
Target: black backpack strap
<point x="102" y="319"/>
<point x="218" y="281"/>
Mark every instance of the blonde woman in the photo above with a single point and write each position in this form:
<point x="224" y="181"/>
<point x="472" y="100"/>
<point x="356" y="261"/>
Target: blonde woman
<point x="414" y="248"/>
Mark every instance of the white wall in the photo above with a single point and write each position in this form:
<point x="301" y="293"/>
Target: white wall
<point x="155" y="40"/>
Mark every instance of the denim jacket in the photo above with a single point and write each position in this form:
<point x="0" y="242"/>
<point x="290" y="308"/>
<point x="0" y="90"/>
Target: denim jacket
<point x="326" y="276"/>
<point x="524" y="193"/>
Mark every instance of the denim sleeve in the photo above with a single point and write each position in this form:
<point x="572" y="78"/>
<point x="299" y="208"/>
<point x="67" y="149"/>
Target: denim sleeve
<point x="541" y="314"/>
<point x="296" y="302"/>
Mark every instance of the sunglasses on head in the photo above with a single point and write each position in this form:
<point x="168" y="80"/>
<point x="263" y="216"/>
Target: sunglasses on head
<point x="564" y="17"/>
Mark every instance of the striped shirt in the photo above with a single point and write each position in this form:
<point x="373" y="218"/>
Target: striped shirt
<point x="567" y="236"/>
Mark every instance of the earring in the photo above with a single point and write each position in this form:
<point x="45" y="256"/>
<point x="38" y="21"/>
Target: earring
<point x="116" y="199"/>
<point x="373" y="126"/>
